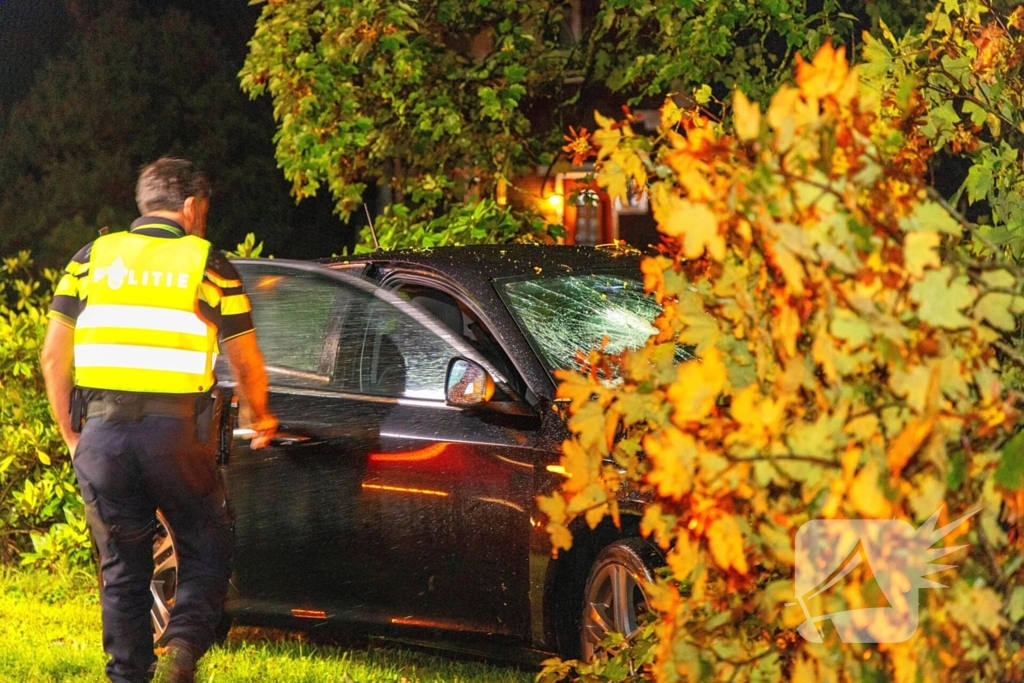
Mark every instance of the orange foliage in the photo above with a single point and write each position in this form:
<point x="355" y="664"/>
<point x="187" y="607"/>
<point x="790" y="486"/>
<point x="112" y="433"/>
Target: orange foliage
<point x="847" y="370"/>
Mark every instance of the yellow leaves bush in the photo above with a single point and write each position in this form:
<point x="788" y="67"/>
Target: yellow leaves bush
<point x="694" y="393"/>
<point x="848" y="368"/>
<point x="725" y="541"/>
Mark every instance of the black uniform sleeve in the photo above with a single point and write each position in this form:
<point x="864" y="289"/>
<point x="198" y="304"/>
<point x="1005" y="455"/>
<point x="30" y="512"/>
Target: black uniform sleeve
<point x="72" y="290"/>
<point x="222" y="299"/>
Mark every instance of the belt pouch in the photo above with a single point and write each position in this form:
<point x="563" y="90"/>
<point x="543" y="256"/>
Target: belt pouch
<point x="205" y="417"/>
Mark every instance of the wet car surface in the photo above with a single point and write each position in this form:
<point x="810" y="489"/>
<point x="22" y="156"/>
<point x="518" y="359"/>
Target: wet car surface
<point x="395" y="500"/>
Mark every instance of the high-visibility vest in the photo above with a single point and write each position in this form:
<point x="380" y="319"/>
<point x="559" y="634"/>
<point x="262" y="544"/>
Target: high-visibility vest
<point x="140" y="329"/>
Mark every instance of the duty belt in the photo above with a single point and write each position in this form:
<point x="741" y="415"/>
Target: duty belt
<point x="134" y="408"/>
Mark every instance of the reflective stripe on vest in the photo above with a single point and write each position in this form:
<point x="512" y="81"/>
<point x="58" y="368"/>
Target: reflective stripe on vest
<point x="140" y="330"/>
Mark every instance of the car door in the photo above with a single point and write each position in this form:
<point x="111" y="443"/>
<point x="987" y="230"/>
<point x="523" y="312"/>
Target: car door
<point x="378" y="502"/>
<point x="293" y="501"/>
<point x="447" y="495"/>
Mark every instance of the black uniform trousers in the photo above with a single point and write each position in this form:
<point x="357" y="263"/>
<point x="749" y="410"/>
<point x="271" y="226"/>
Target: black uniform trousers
<point x="126" y="470"/>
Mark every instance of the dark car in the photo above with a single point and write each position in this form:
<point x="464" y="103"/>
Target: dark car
<point x="419" y="424"/>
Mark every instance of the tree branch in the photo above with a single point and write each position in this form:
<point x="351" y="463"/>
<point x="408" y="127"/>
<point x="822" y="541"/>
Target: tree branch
<point x="795" y="458"/>
<point x="744" y="662"/>
<point x="990" y="554"/>
<point x="1013" y="354"/>
<point x="972" y="228"/>
<point x="996" y="15"/>
<point x="949" y="94"/>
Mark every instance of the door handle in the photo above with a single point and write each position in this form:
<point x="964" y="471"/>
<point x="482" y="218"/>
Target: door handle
<point x="286" y="439"/>
<point x="279" y="439"/>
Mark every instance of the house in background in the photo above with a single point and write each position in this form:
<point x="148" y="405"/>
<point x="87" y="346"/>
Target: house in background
<point x="566" y="194"/>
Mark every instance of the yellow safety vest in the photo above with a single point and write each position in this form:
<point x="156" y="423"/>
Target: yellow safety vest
<point x="140" y="329"/>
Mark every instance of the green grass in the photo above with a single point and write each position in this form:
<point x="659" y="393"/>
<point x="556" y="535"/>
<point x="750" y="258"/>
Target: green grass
<point x="50" y="632"/>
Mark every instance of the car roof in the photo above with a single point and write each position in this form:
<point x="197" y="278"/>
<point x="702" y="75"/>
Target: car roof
<point x="491" y="261"/>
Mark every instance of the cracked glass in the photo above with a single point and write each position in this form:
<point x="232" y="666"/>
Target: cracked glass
<point x="564" y="316"/>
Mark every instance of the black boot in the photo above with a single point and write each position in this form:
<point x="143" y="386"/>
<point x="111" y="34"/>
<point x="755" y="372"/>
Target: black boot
<point x="177" y="665"/>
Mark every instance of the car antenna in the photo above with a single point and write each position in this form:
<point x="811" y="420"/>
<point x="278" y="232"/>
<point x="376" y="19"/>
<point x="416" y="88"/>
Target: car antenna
<point x="373" y="233"/>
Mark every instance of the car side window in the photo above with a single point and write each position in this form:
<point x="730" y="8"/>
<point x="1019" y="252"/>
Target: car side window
<point x="457" y="317"/>
<point x="340" y="334"/>
<point x="392" y="352"/>
<point x="293" y="312"/>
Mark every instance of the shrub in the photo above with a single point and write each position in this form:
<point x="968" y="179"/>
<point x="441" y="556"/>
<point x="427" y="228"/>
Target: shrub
<point x="42" y="517"/>
<point x="481" y="222"/>
<point x="851" y="329"/>
<point x="41" y="512"/>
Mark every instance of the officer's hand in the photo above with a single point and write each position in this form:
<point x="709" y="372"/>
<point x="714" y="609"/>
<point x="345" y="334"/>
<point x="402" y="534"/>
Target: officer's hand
<point x="72" y="442"/>
<point x="265" y="428"/>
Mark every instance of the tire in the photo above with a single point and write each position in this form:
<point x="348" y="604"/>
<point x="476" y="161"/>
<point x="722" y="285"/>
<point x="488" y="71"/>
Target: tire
<point x="614" y="596"/>
<point x="164" y="585"/>
<point x="165" y="576"/>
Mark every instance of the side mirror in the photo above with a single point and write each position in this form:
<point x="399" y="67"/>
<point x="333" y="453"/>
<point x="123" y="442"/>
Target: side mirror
<point x="467" y="384"/>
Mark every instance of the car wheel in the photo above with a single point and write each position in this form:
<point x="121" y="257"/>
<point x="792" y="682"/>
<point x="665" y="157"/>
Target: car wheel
<point x="164" y="584"/>
<point x="165" y="576"/>
<point x="614" y="597"/>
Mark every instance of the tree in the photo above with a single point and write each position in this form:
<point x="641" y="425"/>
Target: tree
<point x="850" y="324"/>
<point x="440" y="100"/>
<point x="133" y="87"/>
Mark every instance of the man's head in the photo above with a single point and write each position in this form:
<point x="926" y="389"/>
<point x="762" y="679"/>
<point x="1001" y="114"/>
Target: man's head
<point x="172" y="188"/>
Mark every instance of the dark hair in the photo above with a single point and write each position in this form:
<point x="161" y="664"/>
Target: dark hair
<point x="165" y="184"/>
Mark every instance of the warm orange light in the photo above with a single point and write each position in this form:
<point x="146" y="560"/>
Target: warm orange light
<point x="403" y="489"/>
<point x="409" y="621"/>
<point x="309" y="614"/>
<point x="555" y="200"/>
<point x="501" y="192"/>
<point x="269" y="281"/>
<point x="426" y="453"/>
<point x="558" y="469"/>
<point x="501" y="501"/>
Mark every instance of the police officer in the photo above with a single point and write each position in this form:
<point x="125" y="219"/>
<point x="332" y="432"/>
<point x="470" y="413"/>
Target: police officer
<point x="136" y="323"/>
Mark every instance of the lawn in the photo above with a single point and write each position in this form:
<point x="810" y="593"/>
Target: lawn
<point x="50" y="632"/>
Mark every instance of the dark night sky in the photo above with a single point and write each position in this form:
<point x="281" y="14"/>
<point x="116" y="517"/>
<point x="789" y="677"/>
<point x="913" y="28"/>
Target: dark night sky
<point x="30" y="31"/>
<point x="33" y="30"/>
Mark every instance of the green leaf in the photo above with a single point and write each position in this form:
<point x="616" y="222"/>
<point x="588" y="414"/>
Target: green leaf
<point x="941" y="298"/>
<point x="930" y="216"/>
<point x="977" y="113"/>
<point x="720" y="619"/>
<point x="957" y="472"/>
<point x="768" y="669"/>
<point x="979" y="182"/>
<point x="878" y="59"/>
<point x="1015" y="610"/>
<point x="702" y="95"/>
<point x="851" y="327"/>
<point x="999" y="279"/>
<point x="1010" y="472"/>
<point x="995" y="307"/>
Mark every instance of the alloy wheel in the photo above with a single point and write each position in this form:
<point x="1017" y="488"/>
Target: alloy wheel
<point x="614" y="598"/>
<point x="165" y="577"/>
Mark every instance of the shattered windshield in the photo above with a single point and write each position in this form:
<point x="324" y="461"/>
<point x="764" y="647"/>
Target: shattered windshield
<point x="572" y="313"/>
